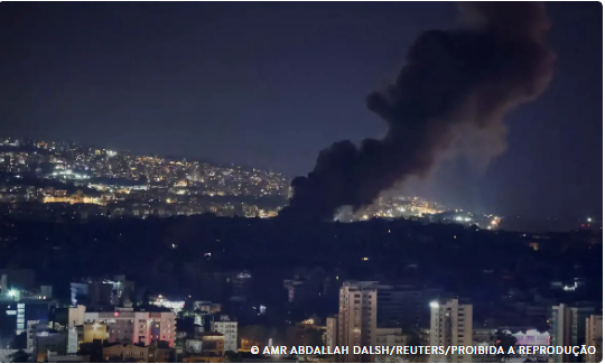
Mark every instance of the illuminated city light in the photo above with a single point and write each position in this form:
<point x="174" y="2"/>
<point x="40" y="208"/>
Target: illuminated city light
<point x="175" y="306"/>
<point x="434" y="304"/>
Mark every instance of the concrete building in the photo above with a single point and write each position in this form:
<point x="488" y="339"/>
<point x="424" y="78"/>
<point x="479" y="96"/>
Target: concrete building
<point x="357" y="316"/>
<point x="49" y="341"/>
<point x="159" y="353"/>
<point x="73" y="344"/>
<point x="213" y="344"/>
<point x="390" y="337"/>
<point x="451" y="325"/>
<point x="127" y="326"/>
<point x="594" y="337"/>
<point x="92" y="332"/>
<point x="75" y="319"/>
<point x="163" y="326"/>
<point x="85" y="334"/>
<point x="31" y="310"/>
<point x="484" y="336"/>
<point x="193" y="346"/>
<point x="75" y="316"/>
<point x="126" y="352"/>
<point x="34" y="327"/>
<point x="56" y="358"/>
<point x="332" y="331"/>
<point x="568" y="328"/>
<point x="228" y="328"/>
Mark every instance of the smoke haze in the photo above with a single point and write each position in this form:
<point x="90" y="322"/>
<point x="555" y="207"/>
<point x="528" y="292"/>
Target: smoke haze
<point x="453" y="92"/>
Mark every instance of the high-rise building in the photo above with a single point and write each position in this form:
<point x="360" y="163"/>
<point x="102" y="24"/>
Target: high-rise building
<point x="568" y="328"/>
<point x="74" y="319"/>
<point x="228" y="328"/>
<point x="332" y="331"/>
<point x="451" y="325"/>
<point x="357" y="316"/>
<point x="594" y="337"/>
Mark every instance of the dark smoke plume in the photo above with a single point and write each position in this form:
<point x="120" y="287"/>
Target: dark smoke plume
<point x="453" y="82"/>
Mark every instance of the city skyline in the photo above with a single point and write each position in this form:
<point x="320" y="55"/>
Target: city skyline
<point x="228" y="182"/>
<point x="130" y="184"/>
<point x="184" y="109"/>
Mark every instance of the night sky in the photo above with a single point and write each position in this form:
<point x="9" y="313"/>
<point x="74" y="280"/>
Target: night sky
<point x="270" y="84"/>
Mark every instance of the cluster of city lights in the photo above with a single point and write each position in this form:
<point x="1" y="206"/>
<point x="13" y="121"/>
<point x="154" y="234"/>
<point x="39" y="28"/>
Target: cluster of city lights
<point x="68" y="173"/>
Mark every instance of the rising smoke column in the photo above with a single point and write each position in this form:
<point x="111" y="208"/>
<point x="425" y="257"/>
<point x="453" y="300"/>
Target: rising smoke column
<point x="454" y="82"/>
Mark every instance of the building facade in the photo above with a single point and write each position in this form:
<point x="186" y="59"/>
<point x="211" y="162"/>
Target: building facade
<point x="127" y="326"/>
<point x="451" y="325"/>
<point x="357" y="316"/>
<point x="594" y="337"/>
<point x="228" y="328"/>
<point x="124" y="353"/>
<point x="568" y="328"/>
<point x="213" y="344"/>
<point x="332" y="331"/>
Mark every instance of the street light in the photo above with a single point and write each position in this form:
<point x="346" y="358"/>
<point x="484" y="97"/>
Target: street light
<point x="12" y="293"/>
